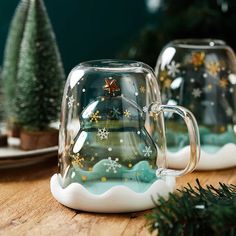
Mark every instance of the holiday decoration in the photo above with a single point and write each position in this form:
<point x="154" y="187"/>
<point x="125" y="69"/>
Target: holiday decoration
<point x="109" y="144"/>
<point x="111" y="86"/>
<point x="3" y="136"/>
<point x="38" y="75"/>
<point x="196" y="211"/>
<point x="11" y="62"/>
<point x="201" y="77"/>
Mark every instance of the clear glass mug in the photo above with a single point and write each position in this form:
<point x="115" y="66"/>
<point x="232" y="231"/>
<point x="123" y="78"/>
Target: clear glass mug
<point x="112" y="135"/>
<point x="200" y="74"/>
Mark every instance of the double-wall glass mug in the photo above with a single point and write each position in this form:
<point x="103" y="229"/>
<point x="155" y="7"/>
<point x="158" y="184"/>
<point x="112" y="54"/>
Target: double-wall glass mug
<point x="112" y="145"/>
<point x="200" y="74"/>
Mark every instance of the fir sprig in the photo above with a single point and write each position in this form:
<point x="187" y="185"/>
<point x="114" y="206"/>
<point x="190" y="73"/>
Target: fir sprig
<point x="196" y="211"/>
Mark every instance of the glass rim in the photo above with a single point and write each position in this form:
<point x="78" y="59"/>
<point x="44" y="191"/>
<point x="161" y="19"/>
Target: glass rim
<point x="199" y="43"/>
<point x="113" y="64"/>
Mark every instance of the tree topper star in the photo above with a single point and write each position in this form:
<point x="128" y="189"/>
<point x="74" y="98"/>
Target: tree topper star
<point x="111" y="86"/>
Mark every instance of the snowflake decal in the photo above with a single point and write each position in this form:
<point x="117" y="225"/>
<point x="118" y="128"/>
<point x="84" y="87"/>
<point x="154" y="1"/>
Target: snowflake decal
<point x="103" y="133"/>
<point x="145" y="109"/>
<point x="115" y="113"/>
<point x="196" y="92"/>
<point x="77" y="160"/>
<point x="112" y="165"/>
<point x="127" y="113"/>
<point x="142" y="89"/>
<point x="173" y="68"/>
<point x="71" y="102"/>
<point x="95" y="116"/>
<point x="147" y="151"/>
<point x="223" y="83"/>
<point x="213" y="68"/>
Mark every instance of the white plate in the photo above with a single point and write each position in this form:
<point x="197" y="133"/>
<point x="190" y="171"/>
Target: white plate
<point x="12" y="156"/>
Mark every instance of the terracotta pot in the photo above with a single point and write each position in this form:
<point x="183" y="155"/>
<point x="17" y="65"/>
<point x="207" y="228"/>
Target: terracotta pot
<point x="3" y="141"/>
<point x="15" y="132"/>
<point x="36" y="140"/>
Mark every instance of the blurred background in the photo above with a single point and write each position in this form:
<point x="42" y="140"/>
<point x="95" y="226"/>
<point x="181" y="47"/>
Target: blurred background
<point x="134" y="29"/>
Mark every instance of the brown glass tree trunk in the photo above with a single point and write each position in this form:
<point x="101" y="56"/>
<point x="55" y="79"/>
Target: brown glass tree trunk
<point x="37" y="140"/>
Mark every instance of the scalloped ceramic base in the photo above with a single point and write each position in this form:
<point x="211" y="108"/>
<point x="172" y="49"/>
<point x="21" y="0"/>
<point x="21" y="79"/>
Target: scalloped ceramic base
<point x="116" y="200"/>
<point x="224" y="157"/>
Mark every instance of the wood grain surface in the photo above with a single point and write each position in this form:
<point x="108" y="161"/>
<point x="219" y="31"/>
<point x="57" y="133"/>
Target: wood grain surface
<point x="28" y="208"/>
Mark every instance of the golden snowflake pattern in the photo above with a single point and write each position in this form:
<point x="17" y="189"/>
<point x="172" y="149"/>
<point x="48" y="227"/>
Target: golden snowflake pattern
<point x="77" y="160"/>
<point x="127" y="113"/>
<point x="223" y="83"/>
<point x="142" y="89"/>
<point x="198" y="58"/>
<point x="95" y="116"/>
<point x="213" y="68"/>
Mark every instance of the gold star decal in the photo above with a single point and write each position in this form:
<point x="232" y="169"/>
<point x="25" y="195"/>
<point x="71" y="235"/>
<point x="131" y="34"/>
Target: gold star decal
<point x="111" y="86"/>
<point x="197" y="58"/>
<point x="142" y="89"/>
<point x="223" y="83"/>
<point x="213" y="68"/>
<point x="127" y="113"/>
<point x="95" y="116"/>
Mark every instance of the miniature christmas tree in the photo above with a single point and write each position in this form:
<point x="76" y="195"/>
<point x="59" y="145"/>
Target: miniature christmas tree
<point x="40" y="72"/>
<point x="11" y="57"/>
<point x="3" y="136"/>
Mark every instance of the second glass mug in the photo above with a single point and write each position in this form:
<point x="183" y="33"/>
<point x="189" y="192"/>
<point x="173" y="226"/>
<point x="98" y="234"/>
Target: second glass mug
<point x="112" y="145"/>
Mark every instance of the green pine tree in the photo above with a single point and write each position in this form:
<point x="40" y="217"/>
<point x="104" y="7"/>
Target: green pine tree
<point x="40" y="73"/>
<point x="11" y="57"/>
<point x="2" y="114"/>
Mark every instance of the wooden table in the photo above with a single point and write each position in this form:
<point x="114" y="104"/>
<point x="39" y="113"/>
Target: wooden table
<point x="28" y="208"/>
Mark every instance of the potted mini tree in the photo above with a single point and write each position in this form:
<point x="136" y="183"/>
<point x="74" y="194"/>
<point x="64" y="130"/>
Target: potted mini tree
<point x="3" y="136"/>
<point x="10" y="64"/>
<point x="39" y="80"/>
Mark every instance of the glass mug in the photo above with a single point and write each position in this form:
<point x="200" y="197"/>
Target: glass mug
<point x="200" y="74"/>
<point x="112" y="144"/>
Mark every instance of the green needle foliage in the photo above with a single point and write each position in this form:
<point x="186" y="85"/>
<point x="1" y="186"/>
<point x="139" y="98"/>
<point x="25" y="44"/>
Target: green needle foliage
<point x="11" y="56"/>
<point x="196" y="211"/>
<point x="40" y="72"/>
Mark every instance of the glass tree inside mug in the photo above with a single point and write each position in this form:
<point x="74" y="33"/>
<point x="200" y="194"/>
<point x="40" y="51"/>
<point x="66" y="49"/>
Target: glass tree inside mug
<point x="200" y="74"/>
<point x="112" y="129"/>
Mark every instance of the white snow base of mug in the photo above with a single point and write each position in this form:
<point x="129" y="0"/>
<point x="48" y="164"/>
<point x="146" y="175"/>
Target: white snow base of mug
<point x="116" y="200"/>
<point x="225" y="157"/>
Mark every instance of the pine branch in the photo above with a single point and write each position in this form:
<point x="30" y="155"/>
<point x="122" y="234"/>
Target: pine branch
<point x="196" y="211"/>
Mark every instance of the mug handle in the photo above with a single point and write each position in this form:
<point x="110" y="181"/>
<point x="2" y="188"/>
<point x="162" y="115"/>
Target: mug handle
<point x="194" y="139"/>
